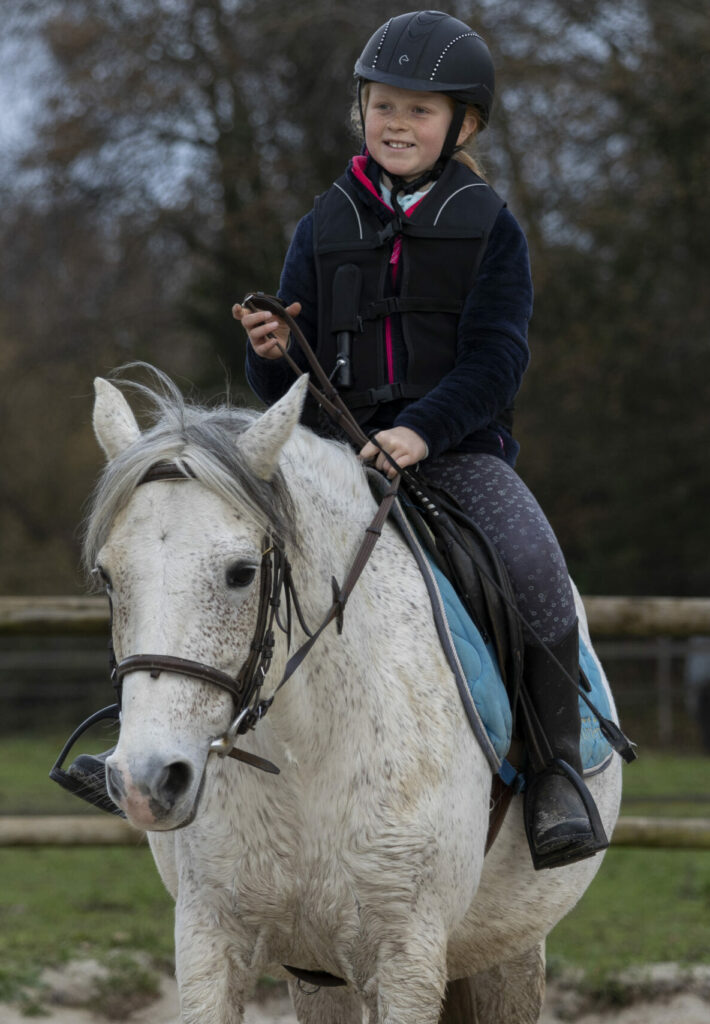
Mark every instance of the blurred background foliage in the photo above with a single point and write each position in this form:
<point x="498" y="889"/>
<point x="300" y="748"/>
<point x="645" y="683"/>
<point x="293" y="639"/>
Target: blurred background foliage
<point x="158" y="154"/>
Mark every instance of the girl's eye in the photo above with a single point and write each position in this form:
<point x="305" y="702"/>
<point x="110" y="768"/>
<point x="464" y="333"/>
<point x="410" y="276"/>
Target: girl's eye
<point x="240" y="574"/>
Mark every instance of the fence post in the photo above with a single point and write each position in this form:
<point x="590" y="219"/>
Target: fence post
<point x="664" y="690"/>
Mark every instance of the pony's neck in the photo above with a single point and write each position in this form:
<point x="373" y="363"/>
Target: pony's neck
<point x="330" y="491"/>
<point x="333" y="506"/>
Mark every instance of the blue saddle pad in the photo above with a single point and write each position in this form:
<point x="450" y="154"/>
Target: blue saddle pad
<point x="485" y="684"/>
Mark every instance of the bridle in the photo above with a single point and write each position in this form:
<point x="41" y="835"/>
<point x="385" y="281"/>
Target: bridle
<point x="245" y="688"/>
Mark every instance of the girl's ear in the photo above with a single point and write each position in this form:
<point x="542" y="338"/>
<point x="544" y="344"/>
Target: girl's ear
<point x="468" y="128"/>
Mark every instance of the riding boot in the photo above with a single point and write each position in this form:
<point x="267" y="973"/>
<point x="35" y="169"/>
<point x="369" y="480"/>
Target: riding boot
<point x="561" y="818"/>
<point x="89" y="773"/>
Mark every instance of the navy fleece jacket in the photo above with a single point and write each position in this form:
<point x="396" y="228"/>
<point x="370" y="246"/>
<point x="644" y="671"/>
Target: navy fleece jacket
<point x="461" y="411"/>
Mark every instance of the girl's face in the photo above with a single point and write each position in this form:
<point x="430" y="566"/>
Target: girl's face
<point x="405" y="131"/>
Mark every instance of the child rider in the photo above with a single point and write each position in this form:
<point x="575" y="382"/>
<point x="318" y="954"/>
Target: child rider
<point x="413" y="253"/>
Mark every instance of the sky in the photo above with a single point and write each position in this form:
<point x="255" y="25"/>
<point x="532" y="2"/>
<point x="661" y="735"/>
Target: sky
<point x="25" y="73"/>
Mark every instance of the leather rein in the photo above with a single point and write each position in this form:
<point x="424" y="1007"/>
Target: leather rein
<point x="276" y="585"/>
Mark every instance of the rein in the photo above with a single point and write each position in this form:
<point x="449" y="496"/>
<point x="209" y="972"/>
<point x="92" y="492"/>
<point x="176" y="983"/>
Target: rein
<point x="275" y="576"/>
<point x="329" y="399"/>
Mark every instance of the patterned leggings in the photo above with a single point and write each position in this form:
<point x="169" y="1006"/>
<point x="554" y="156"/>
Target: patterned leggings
<point x="494" y="496"/>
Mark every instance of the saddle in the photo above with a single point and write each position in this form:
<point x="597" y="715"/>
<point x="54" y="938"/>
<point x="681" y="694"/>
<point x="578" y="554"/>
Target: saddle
<point x="430" y="519"/>
<point x="466" y="557"/>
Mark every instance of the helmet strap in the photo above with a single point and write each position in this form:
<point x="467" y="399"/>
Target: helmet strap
<point x="359" y="106"/>
<point x="452" y="136"/>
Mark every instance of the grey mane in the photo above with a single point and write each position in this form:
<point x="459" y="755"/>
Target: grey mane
<point x="201" y="440"/>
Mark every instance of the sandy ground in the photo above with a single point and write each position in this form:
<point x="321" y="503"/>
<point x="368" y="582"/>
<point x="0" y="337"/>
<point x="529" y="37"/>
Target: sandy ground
<point x="676" y="997"/>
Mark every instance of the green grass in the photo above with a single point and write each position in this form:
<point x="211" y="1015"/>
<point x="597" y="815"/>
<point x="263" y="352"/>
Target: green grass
<point x="646" y="906"/>
<point x="60" y="904"/>
<point x="56" y="904"/>
<point x="667" y="785"/>
<point x="25" y="762"/>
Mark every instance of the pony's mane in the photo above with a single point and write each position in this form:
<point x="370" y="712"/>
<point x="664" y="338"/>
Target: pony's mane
<point x="202" y="441"/>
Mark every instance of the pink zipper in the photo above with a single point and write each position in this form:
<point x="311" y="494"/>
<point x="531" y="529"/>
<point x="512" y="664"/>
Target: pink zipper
<point x="358" y="166"/>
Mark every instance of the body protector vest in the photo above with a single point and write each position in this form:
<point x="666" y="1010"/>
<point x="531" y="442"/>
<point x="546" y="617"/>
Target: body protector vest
<point x="417" y="268"/>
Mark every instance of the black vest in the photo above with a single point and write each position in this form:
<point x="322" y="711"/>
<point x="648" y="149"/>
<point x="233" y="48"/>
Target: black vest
<point x="442" y="244"/>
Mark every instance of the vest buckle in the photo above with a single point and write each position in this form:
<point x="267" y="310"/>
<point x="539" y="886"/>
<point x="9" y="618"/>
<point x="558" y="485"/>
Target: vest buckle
<point x="385" y="393"/>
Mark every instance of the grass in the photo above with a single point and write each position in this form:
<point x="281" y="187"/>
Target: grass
<point x="646" y="906"/>
<point x="25" y="761"/>
<point x="63" y="904"/>
<point x="667" y="785"/>
<point x="58" y="904"/>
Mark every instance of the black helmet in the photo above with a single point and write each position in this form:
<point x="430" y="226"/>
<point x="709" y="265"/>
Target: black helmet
<point x="428" y="51"/>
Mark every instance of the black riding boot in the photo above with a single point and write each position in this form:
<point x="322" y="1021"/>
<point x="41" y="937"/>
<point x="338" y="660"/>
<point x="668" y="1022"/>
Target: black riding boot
<point x="86" y="775"/>
<point x="86" y="778"/>
<point x="90" y="770"/>
<point x="561" y="819"/>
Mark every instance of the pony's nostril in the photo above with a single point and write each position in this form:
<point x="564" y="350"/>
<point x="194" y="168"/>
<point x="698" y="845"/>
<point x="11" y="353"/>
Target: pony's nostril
<point x="174" y="780"/>
<point x="114" y="783"/>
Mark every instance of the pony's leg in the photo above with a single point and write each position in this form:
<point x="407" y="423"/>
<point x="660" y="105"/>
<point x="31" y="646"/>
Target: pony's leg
<point x="326" y="1005"/>
<point x="213" y="990"/>
<point x="410" y="983"/>
<point x="511" y="993"/>
<point x="459" y="1006"/>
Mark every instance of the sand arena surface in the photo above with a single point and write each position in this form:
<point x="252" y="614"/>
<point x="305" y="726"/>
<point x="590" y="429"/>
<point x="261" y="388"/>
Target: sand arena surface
<point x="661" y="994"/>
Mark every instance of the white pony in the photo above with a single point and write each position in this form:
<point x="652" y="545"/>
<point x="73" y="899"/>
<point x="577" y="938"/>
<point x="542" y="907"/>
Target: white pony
<point x="364" y="858"/>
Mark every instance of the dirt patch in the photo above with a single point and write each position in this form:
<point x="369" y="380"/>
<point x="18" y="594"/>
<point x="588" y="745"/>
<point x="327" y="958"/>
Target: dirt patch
<point x="661" y="994"/>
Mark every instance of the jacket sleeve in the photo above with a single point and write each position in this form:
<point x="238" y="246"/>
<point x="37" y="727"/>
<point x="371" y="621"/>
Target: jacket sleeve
<point x="492" y="349"/>
<point x="270" y="379"/>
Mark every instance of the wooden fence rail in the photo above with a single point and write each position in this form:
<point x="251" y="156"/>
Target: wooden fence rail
<point x="608" y="616"/>
<point x="88" y="830"/>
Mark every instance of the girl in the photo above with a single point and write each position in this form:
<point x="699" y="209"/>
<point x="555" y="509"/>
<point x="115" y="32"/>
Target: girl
<point x="411" y="279"/>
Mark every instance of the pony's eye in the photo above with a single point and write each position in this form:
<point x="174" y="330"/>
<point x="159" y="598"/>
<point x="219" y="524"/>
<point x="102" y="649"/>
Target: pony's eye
<point x="240" y="574"/>
<point x="99" y="573"/>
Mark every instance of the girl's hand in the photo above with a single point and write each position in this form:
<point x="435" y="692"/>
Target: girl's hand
<point x="261" y="324"/>
<point x="403" y="444"/>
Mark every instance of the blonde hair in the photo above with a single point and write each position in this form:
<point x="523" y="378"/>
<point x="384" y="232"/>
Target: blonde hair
<point x="463" y="154"/>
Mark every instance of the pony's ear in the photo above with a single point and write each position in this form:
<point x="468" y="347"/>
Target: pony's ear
<point x="261" y="443"/>
<point x="115" y="425"/>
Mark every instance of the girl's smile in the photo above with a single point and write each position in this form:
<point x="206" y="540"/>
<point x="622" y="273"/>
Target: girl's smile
<point x="405" y="130"/>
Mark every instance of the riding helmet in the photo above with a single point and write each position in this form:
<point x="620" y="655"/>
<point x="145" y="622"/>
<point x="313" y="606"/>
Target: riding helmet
<point x="428" y="51"/>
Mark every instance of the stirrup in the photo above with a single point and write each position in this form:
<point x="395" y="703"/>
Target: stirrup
<point x="97" y="797"/>
<point x="578" y="848"/>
